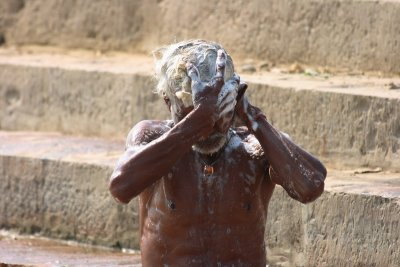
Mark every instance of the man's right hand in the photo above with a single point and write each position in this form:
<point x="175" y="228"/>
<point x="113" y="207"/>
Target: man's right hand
<point x="210" y="97"/>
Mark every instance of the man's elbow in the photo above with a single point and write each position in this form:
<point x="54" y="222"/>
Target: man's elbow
<point x="117" y="190"/>
<point x="314" y="188"/>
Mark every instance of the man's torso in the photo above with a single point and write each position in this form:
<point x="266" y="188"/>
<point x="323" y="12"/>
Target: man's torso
<point x="189" y="218"/>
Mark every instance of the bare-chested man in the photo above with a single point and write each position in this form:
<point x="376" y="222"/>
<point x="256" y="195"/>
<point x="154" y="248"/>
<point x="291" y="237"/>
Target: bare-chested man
<point x="203" y="185"/>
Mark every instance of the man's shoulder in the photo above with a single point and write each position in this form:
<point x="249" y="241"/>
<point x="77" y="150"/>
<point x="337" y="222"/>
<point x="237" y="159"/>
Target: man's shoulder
<point x="153" y="125"/>
<point x="146" y="131"/>
<point x="243" y="139"/>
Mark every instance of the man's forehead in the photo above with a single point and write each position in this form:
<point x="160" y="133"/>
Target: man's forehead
<point x="203" y="55"/>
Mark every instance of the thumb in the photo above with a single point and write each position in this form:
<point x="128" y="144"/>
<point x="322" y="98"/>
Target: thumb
<point x="242" y="89"/>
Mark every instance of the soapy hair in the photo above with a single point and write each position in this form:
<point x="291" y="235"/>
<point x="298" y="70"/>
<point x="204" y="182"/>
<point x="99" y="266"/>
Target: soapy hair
<point x="171" y="60"/>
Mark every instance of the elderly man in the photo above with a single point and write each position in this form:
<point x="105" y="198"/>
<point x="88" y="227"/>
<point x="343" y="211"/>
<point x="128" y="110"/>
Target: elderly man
<point x="203" y="185"/>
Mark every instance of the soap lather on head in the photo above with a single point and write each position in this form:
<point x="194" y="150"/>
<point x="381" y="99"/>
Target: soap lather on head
<point x="174" y="83"/>
<point x="171" y="65"/>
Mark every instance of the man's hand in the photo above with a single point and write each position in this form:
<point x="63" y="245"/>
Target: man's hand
<point x="216" y="98"/>
<point x="300" y="174"/>
<point x="245" y="111"/>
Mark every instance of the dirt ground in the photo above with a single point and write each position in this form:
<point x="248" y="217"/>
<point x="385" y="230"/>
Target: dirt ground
<point x="33" y="251"/>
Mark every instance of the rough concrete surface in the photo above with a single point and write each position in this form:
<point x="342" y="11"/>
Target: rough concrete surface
<point x="345" y="120"/>
<point x="353" y="34"/>
<point x="64" y="200"/>
<point x="52" y="189"/>
<point x="76" y="101"/>
<point x="354" y="223"/>
<point x="59" y="188"/>
<point x="343" y="129"/>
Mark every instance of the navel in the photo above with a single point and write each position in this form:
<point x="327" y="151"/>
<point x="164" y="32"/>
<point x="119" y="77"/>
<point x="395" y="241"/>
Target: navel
<point x="247" y="206"/>
<point x="171" y="205"/>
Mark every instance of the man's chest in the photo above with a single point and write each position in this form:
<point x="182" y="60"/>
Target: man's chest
<point x="236" y="185"/>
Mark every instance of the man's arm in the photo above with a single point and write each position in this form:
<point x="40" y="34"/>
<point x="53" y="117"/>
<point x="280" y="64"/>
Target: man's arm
<point x="147" y="159"/>
<point x="297" y="171"/>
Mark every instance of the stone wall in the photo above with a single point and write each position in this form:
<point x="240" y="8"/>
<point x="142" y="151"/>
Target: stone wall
<point x="343" y="129"/>
<point x="352" y="34"/>
<point x="65" y="200"/>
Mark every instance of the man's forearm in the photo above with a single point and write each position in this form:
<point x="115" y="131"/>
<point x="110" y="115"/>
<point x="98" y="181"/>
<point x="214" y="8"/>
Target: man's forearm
<point x="300" y="173"/>
<point x="141" y="168"/>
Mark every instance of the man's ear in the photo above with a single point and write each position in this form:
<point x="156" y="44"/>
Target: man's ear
<point x="168" y="102"/>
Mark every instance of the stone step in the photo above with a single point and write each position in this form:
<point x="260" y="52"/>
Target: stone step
<point x="56" y="185"/>
<point x="36" y="251"/>
<point x="346" y="120"/>
<point x="354" y="34"/>
<point x="354" y="223"/>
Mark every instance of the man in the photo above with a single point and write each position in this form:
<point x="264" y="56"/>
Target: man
<point x="203" y="185"/>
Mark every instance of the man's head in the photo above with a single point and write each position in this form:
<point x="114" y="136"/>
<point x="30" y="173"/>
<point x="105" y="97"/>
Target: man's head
<point x="174" y="84"/>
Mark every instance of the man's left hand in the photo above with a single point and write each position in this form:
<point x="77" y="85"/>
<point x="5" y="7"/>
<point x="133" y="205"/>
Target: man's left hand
<point x="244" y="110"/>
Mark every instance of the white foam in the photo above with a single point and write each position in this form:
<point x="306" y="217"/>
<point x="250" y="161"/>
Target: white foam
<point x="234" y="142"/>
<point x="253" y="147"/>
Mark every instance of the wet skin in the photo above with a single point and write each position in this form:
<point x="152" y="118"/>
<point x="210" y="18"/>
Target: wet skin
<point x="188" y="218"/>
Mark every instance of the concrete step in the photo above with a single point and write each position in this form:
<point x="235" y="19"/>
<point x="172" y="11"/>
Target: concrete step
<point x="346" y="120"/>
<point x="354" y="34"/>
<point x="57" y="186"/>
<point x="354" y="223"/>
<point x="36" y="251"/>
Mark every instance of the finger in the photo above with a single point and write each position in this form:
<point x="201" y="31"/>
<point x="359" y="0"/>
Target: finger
<point x="193" y="73"/>
<point x="218" y="79"/>
<point x="242" y="89"/>
<point x="227" y="101"/>
<point x="228" y="108"/>
<point x="236" y="78"/>
<point x="226" y="95"/>
<point x="220" y="64"/>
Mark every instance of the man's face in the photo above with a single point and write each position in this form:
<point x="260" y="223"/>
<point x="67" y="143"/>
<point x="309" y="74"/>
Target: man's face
<point x="208" y="64"/>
